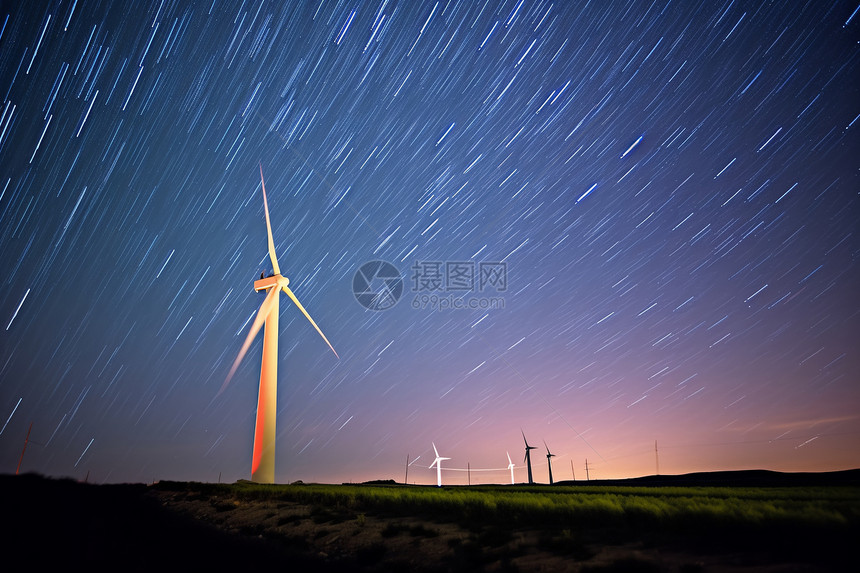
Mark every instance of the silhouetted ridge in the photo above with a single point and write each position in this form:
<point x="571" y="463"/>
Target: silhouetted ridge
<point x="737" y="478"/>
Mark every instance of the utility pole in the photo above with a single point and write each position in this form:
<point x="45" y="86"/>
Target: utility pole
<point x="573" y="473"/>
<point x="587" y="478"/>
<point x="406" y="479"/>
<point x="26" y="441"/>
<point x="469" y="471"/>
<point x="656" y="457"/>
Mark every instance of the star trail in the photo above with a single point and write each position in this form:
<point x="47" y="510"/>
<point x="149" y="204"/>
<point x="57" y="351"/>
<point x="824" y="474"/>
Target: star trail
<point x="614" y="222"/>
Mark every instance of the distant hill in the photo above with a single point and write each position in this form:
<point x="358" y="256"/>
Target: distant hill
<point x="739" y="478"/>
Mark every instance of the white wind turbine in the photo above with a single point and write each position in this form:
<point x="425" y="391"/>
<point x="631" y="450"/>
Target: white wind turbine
<point x="263" y="459"/>
<point x="511" y="467"/>
<point x="438" y="464"/>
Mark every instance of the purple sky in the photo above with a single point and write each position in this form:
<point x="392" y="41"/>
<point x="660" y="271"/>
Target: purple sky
<point x="671" y="186"/>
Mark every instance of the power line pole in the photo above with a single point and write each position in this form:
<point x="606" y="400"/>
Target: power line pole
<point x="26" y="441"/>
<point x="406" y="478"/>
<point x="469" y="471"/>
<point x="587" y="478"/>
<point x="573" y="473"/>
<point x="656" y="457"/>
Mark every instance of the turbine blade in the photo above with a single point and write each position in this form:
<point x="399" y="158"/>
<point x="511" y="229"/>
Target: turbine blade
<point x="435" y="450"/>
<point x="509" y="459"/>
<point x="301" y="308"/>
<point x="258" y="323"/>
<point x="269" y="227"/>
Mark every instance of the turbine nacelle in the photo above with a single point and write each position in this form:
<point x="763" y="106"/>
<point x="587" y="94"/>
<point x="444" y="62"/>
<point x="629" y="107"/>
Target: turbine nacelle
<point x="268" y="282"/>
<point x="438" y="457"/>
<point x="528" y="447"/>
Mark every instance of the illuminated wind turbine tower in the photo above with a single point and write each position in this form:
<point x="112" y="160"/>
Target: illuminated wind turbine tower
<point x="511" y="467"/>
<point x="528" y="458"/>
<point x="438" y="465"/>
<point x="549" y="461"/>
<point x="263" y="458"/>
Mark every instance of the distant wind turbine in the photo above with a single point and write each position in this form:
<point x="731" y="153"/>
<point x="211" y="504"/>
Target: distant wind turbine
<point x="528" y="458"/>
<point x="511" y="467"/>
<point x="438" y="464"/>
<point x="263" y="459"/>
<point x="549" y="461"/>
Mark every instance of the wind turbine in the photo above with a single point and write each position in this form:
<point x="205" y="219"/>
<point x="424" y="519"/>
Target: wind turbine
<point x="549" y="461"/>
<point x="528" y="458"/>
<point x="263" y="459"/>
<point x="511" y="467"/>
<point x="438" y="464"/>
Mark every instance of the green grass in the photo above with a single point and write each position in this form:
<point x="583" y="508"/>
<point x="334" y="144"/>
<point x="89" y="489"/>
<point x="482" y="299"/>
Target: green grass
<point x="574" y="508"/>
<point x="804" y="524"/>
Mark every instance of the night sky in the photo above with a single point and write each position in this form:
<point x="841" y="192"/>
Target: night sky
<point x="645" y="213"/>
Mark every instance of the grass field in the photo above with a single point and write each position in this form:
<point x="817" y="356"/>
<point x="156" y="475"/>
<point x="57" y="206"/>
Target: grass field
<point x="815" y="526"/>
<point x="588" y="506"/>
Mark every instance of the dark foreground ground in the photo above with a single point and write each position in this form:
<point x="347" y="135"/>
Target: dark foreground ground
<point x="62" y="525"/>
